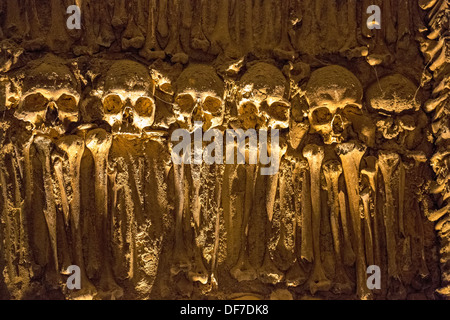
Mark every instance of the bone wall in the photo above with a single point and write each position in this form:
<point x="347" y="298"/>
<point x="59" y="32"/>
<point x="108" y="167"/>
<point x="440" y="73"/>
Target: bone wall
<point x="87" y="176"/>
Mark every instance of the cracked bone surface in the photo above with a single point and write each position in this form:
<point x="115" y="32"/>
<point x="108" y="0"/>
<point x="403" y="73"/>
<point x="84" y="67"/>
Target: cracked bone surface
<point x="351" y="154"/>
<point x="315" y="155"/>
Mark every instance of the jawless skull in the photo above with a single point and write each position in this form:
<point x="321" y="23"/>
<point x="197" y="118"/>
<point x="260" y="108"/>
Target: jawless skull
<point x="50" y="96"/>
<point x="335" y="96"/>
<point x="199" y="97"/>
<point x="128" y="103"/>
<point x="261" y="98"/>
<point x="394" y="99"/>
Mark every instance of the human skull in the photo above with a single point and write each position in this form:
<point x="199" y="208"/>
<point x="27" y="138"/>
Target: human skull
<point x="393" y="97"/>
<point x="261" y="98"/>
<point x="334" y="95"/>
<point x="199" y="97"/>
<point x="50" y="95"/>
<point x="128" y="105"/>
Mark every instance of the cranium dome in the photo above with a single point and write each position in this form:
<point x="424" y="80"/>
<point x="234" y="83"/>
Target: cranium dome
<point x="333" y="83"/>
<point x="393" y="94"/>
<point x="200" y="79"/>
<point x="128" y="75"/>
<point x="263" y="80"/>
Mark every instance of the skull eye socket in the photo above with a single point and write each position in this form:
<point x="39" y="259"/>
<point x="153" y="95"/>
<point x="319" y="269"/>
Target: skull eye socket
<point x="112" y="104"/>
<point x="248" y="108"/>
<point x="144" y="107"/>
<point x="35" y="103"/>
<point x="67" y="103"/>
<point x="279" y="111"/>
<point x="352" y="109"/>
<point x="185" y="102"/>
<point x="212" y="105"/>
<point x="322" y="116"/>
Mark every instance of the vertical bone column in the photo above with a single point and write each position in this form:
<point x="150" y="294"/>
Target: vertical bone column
<point x="243" y="270"/>
<point x="44" y="146"/>
<point x="73" y="147"/>
<point x="307" y="251"/>
<point x="58" y="40"/>
<point x="332" y="171"/>
<point x="99" y="142"/>
<point x="174" y="47"/>
<point x="371" y="172"/>
<point x="315" y="155"/>
<point x="351" y="154"/>
<point x="151" y="49"/>
<point x="388" y="162"/>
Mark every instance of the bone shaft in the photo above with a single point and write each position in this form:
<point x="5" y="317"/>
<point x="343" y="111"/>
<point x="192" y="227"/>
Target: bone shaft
<point x="368" y="240"/>
<point x="351" y="175"/>
<point x="307" y="252"/>
<point x="50" y="209"/>
<point x="389" y="221"/>
<point x="343" y="216"/>
<point x="179" y="194"/>
<point x="401" y="203"/>
<point x="316" y="211"/>
<point x="334" y="218"/>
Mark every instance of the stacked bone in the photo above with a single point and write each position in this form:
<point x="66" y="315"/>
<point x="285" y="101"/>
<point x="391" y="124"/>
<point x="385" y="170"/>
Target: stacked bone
<point x="118" y="242"/>
<point x="436" y="49"/>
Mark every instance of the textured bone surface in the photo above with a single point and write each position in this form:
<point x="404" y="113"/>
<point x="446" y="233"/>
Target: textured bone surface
<point x="88" y="117"/>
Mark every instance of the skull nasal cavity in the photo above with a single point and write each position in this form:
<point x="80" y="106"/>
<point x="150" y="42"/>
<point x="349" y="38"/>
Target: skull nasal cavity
<point x="338" y="124"/>
<point x="128" y="115"/>
<point x="52" y="113"/>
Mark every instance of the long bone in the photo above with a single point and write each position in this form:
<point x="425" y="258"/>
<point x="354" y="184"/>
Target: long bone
<point x="351" y="154"/>
<point x="365" y="198"/>
<point x="120" y="17"/>
<point x="199" y="272"/>
<point x="388" y="162"/>
<point x="243" y="270"/>
<point x="174" y="47"/>
<point x="199" y="40"/>
<point x="151" y="49"/>
<point x="296" y="275"/>
<point x="332" y="171"/>
<point x="106" y="35"/>
<point x="268" y="272"/>
<point x="220" y="38"/>
<point x="132" y="37"/>
<point x="73" y="147"/>
<point x="99" y="142"/>
<point x="307" y="249"/>
<point x="349" y="254"/>
<point x="163" y="26"/>
<point x="58" y="40"/>
<point x="44" y="146"/>
<point x="315" y="155"/>
<point x="13" y="22"/>
<point x="181" y="261"/>
<point x="284" y="49"/>
<point x="371" y="172"/>
<point x="9" y="247"/>
<point x="415" y="170"/>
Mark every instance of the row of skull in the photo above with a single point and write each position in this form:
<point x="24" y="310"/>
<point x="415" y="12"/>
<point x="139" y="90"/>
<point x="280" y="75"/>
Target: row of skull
<point x="49" y="97"/>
